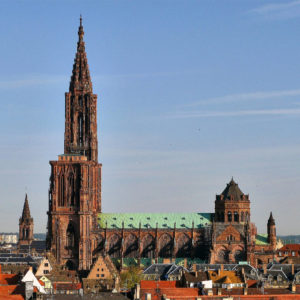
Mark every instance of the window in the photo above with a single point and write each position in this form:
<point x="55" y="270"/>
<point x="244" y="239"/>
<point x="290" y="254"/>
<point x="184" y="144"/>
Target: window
<point x="46" y="264"/>
<point x="102" y="269"/>
<point x="236" y="216"/>
<point x="97" y="275"/>
<point x="286" y="253"/>
<point x="279" y="253"/>
<point x="102" y="275"/>
<point x="97" y="269"/>
<point x="229" y="216"/>
<point x="80" y="129"/>
<point x="230" y="238"/>
<point x="46" y="272"/>
<point x="61" y="191"/>
<point x="293" y="253"/>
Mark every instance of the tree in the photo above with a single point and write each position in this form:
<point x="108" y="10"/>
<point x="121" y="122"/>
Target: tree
<point x="130" y="277"/>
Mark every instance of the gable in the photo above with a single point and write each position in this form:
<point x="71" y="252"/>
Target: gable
<point x="229" y="234"/>
<point x="102" y="269"/>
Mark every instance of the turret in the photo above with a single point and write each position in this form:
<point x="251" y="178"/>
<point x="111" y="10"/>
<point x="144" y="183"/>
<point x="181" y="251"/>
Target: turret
<point x="232" y="205"/>
<point x="25" y="225"/>
<point x="272" y="231"/>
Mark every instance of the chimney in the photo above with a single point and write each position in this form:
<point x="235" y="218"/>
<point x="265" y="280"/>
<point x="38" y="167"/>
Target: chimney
<point x="293" y="269"/>
<point x="219" y="292"/>
<point x="194" y="268"/>
<point x="0" y="269"/>
<point x="222" y="267"/>
<point x="245" y="291"/>
<point x="138" y="291"/>
<point x="219" y="272"/>
<point x="185" y="263"/>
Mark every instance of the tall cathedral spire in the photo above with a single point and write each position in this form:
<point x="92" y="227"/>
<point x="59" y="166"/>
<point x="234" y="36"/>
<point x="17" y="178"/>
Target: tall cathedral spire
<point x="81" y="107"/>
<point x="80" y="79"/>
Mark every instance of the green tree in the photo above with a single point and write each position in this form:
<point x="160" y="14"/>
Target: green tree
<point x="130" y="277"/>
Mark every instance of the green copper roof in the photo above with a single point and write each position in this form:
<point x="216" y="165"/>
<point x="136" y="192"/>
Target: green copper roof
<point x="163" y="221"/>
<point x="261" y="239"/>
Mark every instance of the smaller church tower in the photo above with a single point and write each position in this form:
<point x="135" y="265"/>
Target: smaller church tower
<point x="272" y="231"/>
<point x="232" y="206"/>
<point x="25" y="225"/>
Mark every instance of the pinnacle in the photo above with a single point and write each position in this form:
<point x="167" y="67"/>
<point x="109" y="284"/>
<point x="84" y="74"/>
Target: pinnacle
<point x="271" y="220"/>
<point x="80" y="79"/>
<point x="26" y="210"/>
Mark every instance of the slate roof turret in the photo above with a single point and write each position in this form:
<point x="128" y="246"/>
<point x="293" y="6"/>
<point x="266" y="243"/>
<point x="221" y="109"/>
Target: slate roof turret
<point x="233" y="192"/>
<point x="271" y="220"/>
<point x="26" y="211"/>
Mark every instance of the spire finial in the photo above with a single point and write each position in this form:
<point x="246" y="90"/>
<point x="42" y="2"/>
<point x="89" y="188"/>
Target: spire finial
<point x="80" y="30"/>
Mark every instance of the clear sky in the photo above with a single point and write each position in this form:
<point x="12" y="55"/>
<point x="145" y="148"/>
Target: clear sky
<point x="190" y="94"/>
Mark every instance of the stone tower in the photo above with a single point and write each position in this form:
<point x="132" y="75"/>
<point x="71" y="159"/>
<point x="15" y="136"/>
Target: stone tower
<point x="75" y="181"/>
<point x="25" y="225"/>
<point x="271" y="231"/>
<point x="231" y="226"/>
<point x="232" y="206"/>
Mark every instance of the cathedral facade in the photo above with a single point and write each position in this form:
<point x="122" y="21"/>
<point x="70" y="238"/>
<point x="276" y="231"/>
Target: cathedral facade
<point x="78" y="231"/>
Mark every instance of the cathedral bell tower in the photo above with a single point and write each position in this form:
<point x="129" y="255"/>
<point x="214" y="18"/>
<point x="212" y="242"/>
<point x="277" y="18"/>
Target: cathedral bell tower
<point x="75" y="181"/>
<point x="25" y="225"/>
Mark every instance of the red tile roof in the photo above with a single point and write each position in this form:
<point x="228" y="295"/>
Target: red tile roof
<point x="6" y="279"/>
<point x="290" y="247"/>
<point x="152" y="284"/>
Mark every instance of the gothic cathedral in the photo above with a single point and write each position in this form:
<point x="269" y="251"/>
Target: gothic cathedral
<point x="78" y="231"/>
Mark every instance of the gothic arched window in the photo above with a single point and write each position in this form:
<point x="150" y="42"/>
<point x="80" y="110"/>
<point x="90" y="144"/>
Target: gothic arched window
<point x="72" y="190"/>
<point x="80" y="129"/>
<point x="236" y="216"/>
<point x="70" y="236"/>
<point x="229" y="216"/>
<point x="61" y="192"/>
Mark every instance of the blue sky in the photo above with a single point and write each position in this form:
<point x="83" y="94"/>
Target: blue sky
<point x="190" y="94"/>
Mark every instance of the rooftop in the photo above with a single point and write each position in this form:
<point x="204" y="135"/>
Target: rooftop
<point x="261" y="239"/>
<point x="151" y="220"/>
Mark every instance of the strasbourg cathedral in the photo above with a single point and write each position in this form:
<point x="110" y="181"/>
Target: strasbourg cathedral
<point x="78" y="231"/>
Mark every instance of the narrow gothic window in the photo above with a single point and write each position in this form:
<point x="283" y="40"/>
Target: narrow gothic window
<point x="61" y="191"/>
<point x="70" y="236"/>
<point x="72" y="190"/>
<point x="80" y="129"/>
<point x="236" y="217"/>
<point x="242" y="216"/>
<point x="229" y="216"/>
